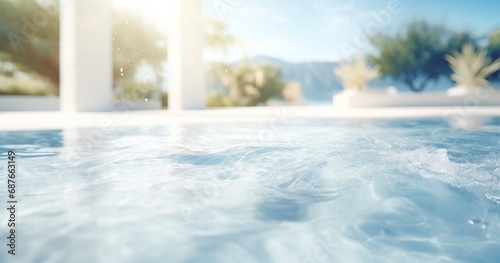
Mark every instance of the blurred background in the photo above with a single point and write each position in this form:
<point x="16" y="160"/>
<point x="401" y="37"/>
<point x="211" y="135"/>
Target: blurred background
<point x="260" y="52"/>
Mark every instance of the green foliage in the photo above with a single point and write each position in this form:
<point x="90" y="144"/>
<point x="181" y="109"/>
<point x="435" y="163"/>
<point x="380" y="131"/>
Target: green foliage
<point x="494" y="51"/>
<point x="292" y="91"/>
<point x="27" y="85"/>
<point x="164" y="100"/>
<point x="132" y="90"/>
<point x="415" y="56"/>
<point x="134" y="43"/>
<point x="32" y="42"/>
<point x="34" y="46"/>
<point x="217" y="37"/>
<point x="137" y="47"/>
<point x="245" y="85"/>
<point x="242" y="84"/>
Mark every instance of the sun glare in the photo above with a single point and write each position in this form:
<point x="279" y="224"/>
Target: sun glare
<point x="153" y="11"/>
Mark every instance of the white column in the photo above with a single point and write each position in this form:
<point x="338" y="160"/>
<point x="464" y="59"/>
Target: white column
<point x="186" y="75"/>
<point x="86" y="55"/>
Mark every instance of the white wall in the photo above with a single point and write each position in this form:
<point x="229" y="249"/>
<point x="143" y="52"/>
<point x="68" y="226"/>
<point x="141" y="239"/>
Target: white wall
<point x="86" y="56"/>
<point x="186" y="75"/>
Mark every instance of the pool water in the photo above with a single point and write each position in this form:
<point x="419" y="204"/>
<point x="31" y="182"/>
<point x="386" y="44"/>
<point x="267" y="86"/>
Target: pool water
<point x="290" y="191"/>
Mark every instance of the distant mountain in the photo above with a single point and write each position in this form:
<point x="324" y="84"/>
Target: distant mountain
<point x="319" y="83"/>
<point x="316" y="78"/>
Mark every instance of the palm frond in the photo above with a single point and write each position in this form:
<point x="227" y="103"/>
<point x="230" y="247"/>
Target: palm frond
<point x="472" y="68"/>
<point x="355" y="75"/>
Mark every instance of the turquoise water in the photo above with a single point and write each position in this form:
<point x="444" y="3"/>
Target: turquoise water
<point x="287" y="191"/>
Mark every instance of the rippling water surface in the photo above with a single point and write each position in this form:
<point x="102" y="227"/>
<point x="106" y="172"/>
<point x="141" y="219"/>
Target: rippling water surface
<point x="301" y="191"/>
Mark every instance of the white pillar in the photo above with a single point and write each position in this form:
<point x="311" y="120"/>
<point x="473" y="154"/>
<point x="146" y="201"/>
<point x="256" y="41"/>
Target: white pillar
<point x="186" y="75"/>
<point x="86" y="56"/>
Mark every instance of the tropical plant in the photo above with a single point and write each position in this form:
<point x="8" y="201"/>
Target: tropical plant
<point x="245" y="85"/>
<point x="27" y="85"/>
<point x="241" y="84"/>
<point x="35" y="49"/>
<point x="217" y="37"/>
<point x="472" y="68"/>
<point x="31" y="48"/>
<point x="133" y="90"/>
<point x="292" y="91"/>
<point x="356" y="74"/>
<point x="415" y="56"/>
<point x="494" y="51"/>
<point x="136" y="45"/>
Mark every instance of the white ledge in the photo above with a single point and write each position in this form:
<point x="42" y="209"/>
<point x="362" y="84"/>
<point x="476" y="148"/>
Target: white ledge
<point x="61" y="120"/>
<point x="348" y="99"/>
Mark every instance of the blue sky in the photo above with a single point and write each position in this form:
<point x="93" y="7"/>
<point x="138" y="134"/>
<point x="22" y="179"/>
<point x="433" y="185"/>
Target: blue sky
<point x="329" y="30"/>
<point x="320" y="30"/>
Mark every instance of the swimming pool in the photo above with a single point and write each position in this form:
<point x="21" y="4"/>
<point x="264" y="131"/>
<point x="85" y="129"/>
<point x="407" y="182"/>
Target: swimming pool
<point x="296" y="190"/>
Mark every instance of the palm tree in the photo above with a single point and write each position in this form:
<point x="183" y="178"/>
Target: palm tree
<point x="472" y="68"/>
<point x="356" y="74"/>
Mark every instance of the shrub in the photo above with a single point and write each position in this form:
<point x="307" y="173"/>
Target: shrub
<point x="355" y="75"/>
<point x="472" y="68"/>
